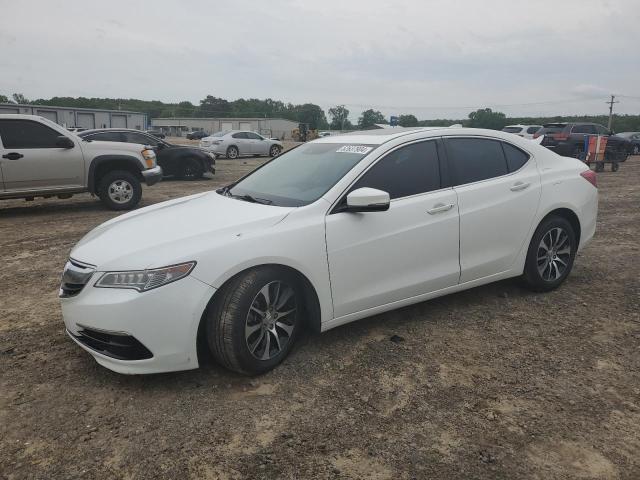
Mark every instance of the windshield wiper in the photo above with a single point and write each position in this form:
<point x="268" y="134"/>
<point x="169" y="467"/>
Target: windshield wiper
<point x="249" y="198"/>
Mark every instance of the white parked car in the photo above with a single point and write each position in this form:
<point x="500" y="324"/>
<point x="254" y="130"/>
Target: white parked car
<point x="525" y="131"/>
<point x="235" y="143"/>
<point x="332" y="231"/>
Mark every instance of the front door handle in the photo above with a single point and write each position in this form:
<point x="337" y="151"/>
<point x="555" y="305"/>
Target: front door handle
<point x="519" y="186"/>
<point x="440" y="207"/>
<point x="13" y="156"/>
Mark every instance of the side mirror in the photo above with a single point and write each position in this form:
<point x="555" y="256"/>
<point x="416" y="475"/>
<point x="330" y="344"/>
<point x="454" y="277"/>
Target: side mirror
<point x="64" y="142"/>
<point x="368" y="200"/>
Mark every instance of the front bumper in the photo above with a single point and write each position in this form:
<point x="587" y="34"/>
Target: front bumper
<point x="152" y="175"/>
<point x="164" y="321"/>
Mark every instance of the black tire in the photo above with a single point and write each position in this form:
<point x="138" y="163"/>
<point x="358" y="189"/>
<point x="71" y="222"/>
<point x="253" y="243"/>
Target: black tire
<point x="578" y="152"/>
<point x="615" y="166"/>
<point x="275" y="150"/>
<point x="120" y="179"/>
<point x="232" y="152"/>
<point x="228" y="319"/>
<point x="191" y="169"/>
<point x="532" y="276"/>
<point x="599" y="166"/>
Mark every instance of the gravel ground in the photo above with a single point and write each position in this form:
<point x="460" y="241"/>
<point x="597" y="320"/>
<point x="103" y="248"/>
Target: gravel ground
<point x="492" y="383"/>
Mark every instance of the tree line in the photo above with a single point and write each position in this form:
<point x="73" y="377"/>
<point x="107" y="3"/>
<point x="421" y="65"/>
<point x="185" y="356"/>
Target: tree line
<point x="310" y="113"/>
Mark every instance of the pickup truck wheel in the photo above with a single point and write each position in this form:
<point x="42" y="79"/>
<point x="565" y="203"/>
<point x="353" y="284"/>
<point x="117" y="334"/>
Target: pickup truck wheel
<point x="254" y="321"/>
<point x="120" y="190"/>
<point x="191" y="169"/>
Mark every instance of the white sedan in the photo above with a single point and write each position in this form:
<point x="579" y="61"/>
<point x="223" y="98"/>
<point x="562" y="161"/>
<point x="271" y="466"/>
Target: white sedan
<point x="236" y="143"/>
<point x="332" y="231"/>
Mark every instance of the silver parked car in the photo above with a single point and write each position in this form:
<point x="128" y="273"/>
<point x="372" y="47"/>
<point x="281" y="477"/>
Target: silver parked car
<point x="234" y="143"/>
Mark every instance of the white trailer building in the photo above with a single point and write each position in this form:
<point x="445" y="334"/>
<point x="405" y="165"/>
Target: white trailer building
<point x="81" y="117"/>
<point x="269" y="127"/>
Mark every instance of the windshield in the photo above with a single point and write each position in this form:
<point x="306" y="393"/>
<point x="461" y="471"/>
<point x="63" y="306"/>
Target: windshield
<point x="220" y="134"/>
<point x="300" y="176"/>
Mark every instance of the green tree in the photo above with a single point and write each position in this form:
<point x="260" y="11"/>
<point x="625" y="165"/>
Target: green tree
<point x="339" y="118"/>
<point x="408" y="121"/>
<point x="486" y="118"/>
<point x="369" y="118"/>
<point x="4" y="99"/>
<point x="20" y="98"/>
<point x="214" y="107"/>
<point x="311" y="114"/>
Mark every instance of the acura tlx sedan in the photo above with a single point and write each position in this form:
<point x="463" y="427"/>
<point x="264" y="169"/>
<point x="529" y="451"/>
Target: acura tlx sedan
<point x="335" y="230"/>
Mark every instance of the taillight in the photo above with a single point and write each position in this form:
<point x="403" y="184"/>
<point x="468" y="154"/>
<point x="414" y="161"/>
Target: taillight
<point x="537" y="134"/>
<point x="590" y="176"/>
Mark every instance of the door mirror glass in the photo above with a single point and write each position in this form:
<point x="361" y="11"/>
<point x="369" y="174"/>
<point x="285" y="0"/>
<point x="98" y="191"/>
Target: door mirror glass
<point x="64" y="142"/>
<point x="368" y="200"/>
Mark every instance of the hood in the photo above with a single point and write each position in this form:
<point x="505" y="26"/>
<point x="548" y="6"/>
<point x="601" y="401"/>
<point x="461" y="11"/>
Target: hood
<point x="100" y="146"/>
<point x="173" y="231"/>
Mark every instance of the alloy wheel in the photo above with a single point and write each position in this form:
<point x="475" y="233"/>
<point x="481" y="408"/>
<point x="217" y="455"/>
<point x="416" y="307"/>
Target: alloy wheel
<point x="275" y="151"/>
<point x="554" y="253"/>
<point x="120" y="191"/>
<point x="271" y="320"/>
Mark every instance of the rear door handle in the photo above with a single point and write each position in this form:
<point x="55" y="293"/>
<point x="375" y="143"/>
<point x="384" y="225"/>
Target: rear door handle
<point x="13" y="156"/>
<point x="519" y="186"/>
<point x="440" y="207"/>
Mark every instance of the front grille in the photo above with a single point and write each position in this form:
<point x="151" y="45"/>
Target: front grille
<point x="117" y="345"/>
<point x="74" y="277"/>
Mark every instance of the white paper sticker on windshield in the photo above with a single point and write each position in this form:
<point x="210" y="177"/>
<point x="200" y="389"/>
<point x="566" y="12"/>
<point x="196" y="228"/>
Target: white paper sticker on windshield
<point x="361" y="149"/>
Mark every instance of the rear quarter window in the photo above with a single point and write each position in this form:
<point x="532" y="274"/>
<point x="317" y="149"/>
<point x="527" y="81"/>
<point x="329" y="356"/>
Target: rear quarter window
<point x="516" y="158"/>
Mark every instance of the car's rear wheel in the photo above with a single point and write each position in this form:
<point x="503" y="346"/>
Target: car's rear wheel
<point x="551" y="254"/>
<point x="232" y="152"/>
<point x="120" y="190"/>
<point x="254" y="320"/>
<point x="191" y="169"/>
<point x="274" y="151"/>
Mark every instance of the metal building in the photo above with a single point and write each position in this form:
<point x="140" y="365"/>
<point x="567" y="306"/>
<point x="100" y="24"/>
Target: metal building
<point x="270" y="127"/>
<point x="81" y="117"/>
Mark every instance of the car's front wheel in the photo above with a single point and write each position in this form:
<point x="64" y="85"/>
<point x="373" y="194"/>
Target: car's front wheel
<point x="232" y="152"/>
<point x="191" y="169"/>
<point x="551" y="254"/>
<point x="254" y="320"/>
<point x="120" y="190"/>
<point x="275" y="150"/>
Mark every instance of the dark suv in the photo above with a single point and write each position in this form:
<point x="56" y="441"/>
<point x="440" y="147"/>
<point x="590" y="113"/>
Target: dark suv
<point x="181" y="161"/>
<point x="568" y="140"/>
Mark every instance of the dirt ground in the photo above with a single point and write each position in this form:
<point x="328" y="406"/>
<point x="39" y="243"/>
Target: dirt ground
<point x="492" y="383"/>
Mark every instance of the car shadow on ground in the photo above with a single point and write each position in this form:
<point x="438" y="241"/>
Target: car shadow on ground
<point x="336" y="344"/>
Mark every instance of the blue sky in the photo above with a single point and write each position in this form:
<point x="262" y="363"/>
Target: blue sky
<point x="431" y="58"/>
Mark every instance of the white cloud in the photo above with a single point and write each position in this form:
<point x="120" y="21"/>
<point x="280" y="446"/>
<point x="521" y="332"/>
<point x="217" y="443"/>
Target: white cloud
<point x="423" y="57"/>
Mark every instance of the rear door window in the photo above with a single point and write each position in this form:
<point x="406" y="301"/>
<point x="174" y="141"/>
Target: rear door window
<point x="475" y="159"/>
<point x="588" y="129"/>
<point x="27" y="134"/>
<point x="135" y="137"/>
<point x="532" y="130"/>
<point x="406" y="171"/>
<point x="516" y="158"/>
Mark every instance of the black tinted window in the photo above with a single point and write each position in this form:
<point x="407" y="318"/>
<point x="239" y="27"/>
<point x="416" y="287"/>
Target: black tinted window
<point x="533" y="129"/>
<point x="475" y="159"/>
<point x="133" y="137"/>
<point x="407" y="171"/>
<point x="583" y="129"/>
<point x="105" y="137"/>
<point x="516" y="158"/>
<point x="27" y="134"/>
<point x="253" y="136"/>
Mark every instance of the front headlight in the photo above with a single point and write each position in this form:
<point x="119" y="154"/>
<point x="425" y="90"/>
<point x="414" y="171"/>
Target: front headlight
<point x="149" y="157"/>
<point x="144" y="280"/>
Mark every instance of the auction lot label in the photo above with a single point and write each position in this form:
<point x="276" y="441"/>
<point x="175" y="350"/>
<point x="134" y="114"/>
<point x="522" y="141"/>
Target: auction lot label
<point x="361" y="149"/>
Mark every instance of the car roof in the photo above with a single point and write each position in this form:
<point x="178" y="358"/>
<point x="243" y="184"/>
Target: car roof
<point x="98" y="130"/>
<point x="378" y="136"/>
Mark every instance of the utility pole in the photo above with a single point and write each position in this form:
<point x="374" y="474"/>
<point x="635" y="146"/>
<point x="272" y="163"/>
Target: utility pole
<point x="611" y="102"/>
